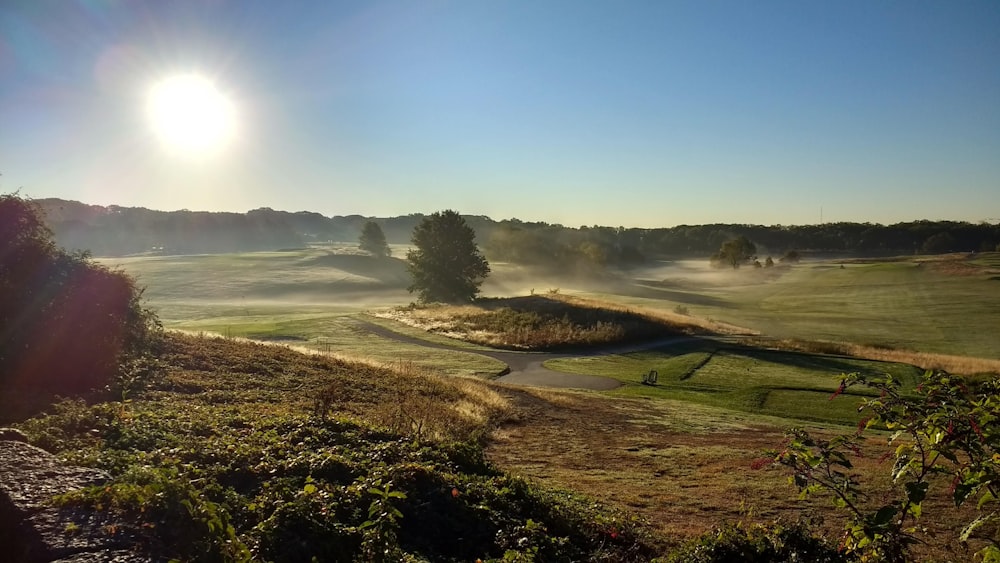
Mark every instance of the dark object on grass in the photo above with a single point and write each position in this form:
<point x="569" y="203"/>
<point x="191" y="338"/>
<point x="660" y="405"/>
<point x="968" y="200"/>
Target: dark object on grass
<point x="650" y="378"/>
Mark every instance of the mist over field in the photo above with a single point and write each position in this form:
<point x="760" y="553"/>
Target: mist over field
<point x="571" y="330"/>
<point x="499" y="281"/>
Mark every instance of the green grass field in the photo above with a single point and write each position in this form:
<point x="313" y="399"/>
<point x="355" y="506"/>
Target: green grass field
<point x="308" y="298"/>
<point x="314" y="298"/>
<point x="903" y="305"/>
<point x="769" y="382"/>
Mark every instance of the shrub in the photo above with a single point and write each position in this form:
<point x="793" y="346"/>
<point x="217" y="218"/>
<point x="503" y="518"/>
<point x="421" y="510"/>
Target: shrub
<point x="943" y="433"/>
<point x="67" y="324"/>
<point x="774" y="543"/>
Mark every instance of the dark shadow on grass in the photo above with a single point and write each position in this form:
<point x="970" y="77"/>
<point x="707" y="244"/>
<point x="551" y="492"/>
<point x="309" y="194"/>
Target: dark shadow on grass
<point x="650" y="289"/>
<point x="830" y="363"/>
<point x="387" y="270"/>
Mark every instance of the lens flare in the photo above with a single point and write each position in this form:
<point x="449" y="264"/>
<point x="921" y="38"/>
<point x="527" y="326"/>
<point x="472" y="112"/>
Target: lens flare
<point x="190" y="115"/>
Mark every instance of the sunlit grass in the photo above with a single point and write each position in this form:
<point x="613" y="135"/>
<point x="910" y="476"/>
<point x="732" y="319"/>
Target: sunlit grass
<point x="903" y="304"/>
<point x="770" y="382"/>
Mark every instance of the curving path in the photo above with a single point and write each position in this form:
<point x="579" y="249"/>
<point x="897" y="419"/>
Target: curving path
<point x="525" y="368"/>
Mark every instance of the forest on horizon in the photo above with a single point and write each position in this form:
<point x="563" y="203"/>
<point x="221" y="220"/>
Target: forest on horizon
<point x="120" y="231"/>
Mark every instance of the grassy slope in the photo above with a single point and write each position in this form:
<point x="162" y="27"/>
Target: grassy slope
<point x="228" y="457"/>
<point x="307" y="298"/>
<point x="898" y="304"/>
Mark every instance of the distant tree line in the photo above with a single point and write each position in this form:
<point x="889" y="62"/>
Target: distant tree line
<point x="110" y="231"/>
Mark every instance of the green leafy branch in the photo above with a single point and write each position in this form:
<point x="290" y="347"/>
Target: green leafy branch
<point x="944" y="432"/>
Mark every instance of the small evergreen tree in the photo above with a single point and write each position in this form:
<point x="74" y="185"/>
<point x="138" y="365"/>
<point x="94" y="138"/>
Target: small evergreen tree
<point x="446" y="264"/>
<point x="372" y="240"/>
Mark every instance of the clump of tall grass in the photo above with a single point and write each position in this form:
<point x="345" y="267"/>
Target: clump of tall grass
<point x="552" y="322"/>
<point x="538" y="322"/>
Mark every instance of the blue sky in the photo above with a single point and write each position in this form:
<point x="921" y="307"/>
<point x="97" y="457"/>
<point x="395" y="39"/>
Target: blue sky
<point x="577" y="112"/>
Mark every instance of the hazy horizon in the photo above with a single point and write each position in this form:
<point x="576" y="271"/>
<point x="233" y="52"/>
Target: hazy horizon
<point x="573" y="113"/>
<point x="501" y="219"/>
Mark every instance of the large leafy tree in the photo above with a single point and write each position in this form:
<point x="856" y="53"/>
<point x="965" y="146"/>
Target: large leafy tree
<point x="735" y="252"/>
<point x="372" y="240"/>
<point x="446" y="264"/>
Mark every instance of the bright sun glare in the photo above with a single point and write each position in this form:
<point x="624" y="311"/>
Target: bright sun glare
<point x="190" y="115"/>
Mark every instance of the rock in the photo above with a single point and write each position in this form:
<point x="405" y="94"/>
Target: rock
<point x="12" y="435"/>
<point x="33" y="530"/>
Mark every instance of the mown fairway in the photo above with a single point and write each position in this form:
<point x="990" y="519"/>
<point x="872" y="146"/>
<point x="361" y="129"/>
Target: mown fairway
<point x="769" y="382"/>
<point x="311" y="298"/>
<point x="305" y="298"/>
<point x="946" y="307"/>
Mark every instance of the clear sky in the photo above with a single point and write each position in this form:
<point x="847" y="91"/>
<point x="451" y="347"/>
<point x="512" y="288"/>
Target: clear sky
<point x="577" y="112"/>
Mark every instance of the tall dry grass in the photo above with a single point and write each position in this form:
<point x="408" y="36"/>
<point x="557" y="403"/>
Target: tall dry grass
<point x="552" y="322"/>
<point x="399" y="396"/>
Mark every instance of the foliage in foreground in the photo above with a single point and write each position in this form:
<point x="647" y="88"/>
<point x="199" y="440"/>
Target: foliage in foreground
<point x="946" y="436"/>
<point x="67" y="324"/>
<point x="759" y="543"/>
<point x="241" y="451"/>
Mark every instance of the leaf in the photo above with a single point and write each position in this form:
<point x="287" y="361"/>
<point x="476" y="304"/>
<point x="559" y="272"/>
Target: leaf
<point x="916" y="492"/>
<point x="884" y="515"/>
<point x="962" y="492"/>
<point x="987" y="497"/>
<point x="990" y="554"/>
<point x="964" y="536"/>
<point x="309" y="489"/>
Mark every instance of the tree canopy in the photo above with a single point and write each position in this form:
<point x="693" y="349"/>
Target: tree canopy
<point x="446" y="265"/>
<point x="735" y="252"/>
<point x="372" y="240"/>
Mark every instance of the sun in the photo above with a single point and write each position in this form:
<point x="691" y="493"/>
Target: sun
<point x="190" y="115"/>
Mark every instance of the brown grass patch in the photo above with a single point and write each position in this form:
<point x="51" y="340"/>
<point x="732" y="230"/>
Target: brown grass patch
<point x="401" y="397"/>
<point x="682" y="467"/>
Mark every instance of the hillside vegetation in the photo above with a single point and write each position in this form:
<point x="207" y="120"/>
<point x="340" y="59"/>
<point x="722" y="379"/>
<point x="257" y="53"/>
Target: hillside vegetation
<point x="240" y="451"/>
